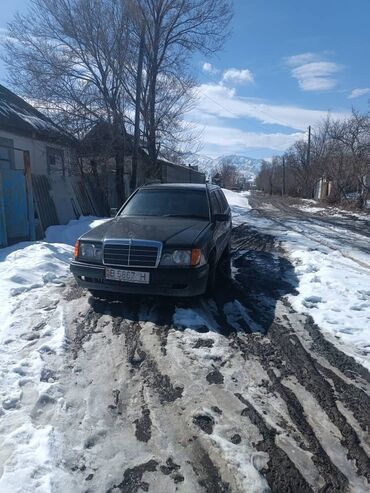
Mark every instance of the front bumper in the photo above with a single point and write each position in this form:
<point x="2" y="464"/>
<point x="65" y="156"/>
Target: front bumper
<point x="163" y="281"/>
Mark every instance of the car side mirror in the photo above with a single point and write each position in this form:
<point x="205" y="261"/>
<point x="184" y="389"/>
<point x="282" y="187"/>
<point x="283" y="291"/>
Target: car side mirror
<point x="113" y="211"/>
<point x="220" y="217"/>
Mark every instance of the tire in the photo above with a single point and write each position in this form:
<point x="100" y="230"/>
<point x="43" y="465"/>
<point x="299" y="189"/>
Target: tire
<point x="212" y="275"/>
<point x="225" y="262"/>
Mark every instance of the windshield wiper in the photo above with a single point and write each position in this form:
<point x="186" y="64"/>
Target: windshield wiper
<point x="189" y="216"/>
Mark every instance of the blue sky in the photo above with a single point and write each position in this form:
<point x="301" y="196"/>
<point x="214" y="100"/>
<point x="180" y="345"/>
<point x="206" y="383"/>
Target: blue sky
<point x="286" y="64"/>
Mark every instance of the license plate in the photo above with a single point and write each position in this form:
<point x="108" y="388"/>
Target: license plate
<point x="127" y="276"/>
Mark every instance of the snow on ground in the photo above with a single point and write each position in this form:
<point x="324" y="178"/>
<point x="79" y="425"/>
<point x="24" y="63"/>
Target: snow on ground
<point x="29" y="265"/>
<point x="333" y="277"/>
<point x="237" y="199"/>
<point x="334" y="290"/>
<point x="30" y="273"/>
<point x="238" y="203"/>
<point x="313" y="207"/>
<point x="74" y="229"/>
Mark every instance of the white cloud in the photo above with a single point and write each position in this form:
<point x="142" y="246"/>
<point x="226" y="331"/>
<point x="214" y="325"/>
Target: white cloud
<point x="209" y="68"/>
<point x="356" y="93"/>
<point x="313" y="73"/>
<point x="238" y="76"/>
<point x="221" y="102"/>
<point x="228" y="139"/>
<point x="301" y="59"/>
<point x="218" y="104"/>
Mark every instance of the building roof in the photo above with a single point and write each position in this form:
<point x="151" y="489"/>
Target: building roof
<point x="19" y="117"/>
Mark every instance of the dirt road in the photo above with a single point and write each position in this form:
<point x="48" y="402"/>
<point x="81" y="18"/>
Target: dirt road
<point x="234" y="393"/>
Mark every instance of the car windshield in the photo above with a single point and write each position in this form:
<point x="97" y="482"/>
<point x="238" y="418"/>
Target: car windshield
<point x="168" y="203"/>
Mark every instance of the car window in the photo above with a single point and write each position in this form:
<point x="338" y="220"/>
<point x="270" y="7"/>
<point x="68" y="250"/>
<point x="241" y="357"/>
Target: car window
<point x="222" y="200"/>
<point x="216" y="207"/>
<point x="170" y="203"/>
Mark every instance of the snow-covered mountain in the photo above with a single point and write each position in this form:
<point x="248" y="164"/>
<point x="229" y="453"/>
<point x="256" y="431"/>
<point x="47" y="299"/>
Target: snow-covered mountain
<point x="247" y="166"/>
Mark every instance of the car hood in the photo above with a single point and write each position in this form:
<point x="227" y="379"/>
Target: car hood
<point x="172" y="231"/>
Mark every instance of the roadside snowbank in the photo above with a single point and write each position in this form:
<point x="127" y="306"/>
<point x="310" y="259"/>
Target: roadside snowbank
<point x="238" y="203"/>
<point x="237" y="199"/>
<point x="29" y="265"/>
<point x="335" y="291"/>
<point x="74" y="229"/>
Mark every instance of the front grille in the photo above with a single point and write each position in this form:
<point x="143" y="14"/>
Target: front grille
<point x="132" y="253"/>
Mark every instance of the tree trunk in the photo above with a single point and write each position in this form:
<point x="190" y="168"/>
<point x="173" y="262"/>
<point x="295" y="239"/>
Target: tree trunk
<point x="120" y="173"/>
<point x="152" y="147"/>
<point x="135" y="150"/>
<point x="152" y="150"/>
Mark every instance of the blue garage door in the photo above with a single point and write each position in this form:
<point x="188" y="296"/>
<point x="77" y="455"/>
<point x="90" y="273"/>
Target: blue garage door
<point x="16" y="203"/>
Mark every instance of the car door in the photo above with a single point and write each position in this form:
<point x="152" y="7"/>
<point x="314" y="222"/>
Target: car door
<point x="218" y="230"/>
<point x="225" y="226"/>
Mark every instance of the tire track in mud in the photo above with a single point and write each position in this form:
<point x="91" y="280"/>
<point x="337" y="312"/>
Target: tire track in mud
<point x="292" y="480"/>
<point x="347" y="365"/>
<point x="285" y="352"/>
<point x="335" y="480"/>
<point x="83" y="330"/>
<point x="208" y="474"/>
<point x="205" y="470"/>
<point x="143" y="361"/>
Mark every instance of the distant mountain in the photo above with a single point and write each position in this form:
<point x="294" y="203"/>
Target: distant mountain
<point x="249" y="167"/>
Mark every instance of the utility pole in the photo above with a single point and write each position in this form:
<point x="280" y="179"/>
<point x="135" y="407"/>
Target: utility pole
<point x="283" y="187"/>
<point x="309" y="147"/>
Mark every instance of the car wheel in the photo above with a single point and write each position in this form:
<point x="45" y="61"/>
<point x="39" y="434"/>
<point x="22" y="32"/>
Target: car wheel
<point x="225" y="262"/>
<point x="212" y="275"/>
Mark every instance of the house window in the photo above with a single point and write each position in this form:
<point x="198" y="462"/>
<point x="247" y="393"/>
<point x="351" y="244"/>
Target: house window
<point x="55" y="158"/>
<point x="6" y="153"/>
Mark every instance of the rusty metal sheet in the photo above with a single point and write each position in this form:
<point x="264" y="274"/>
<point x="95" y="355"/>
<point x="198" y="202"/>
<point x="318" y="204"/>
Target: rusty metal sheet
<point x="45" y="206"/>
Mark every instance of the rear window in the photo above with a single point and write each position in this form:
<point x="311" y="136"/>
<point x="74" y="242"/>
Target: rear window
<point x="168" y="203"/>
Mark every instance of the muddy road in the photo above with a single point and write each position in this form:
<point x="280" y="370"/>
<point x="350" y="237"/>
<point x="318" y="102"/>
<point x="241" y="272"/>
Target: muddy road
<point x="233" y="393"/>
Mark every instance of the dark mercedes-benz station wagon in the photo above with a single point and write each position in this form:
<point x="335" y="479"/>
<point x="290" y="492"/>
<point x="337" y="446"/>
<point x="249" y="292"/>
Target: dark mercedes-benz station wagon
<point x="166" y="239"/>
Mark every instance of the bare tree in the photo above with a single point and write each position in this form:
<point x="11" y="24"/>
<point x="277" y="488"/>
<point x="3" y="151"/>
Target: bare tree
<point x="351" y="147"/>
<point x="71" y="54"/>
<point x="340" y="155"/>
<point x="229" y="174"/>
<point x="175" y="29"/>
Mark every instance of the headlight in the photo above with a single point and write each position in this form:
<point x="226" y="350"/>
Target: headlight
<point x="182" y="258"/>
<point x="90" y="251"/>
